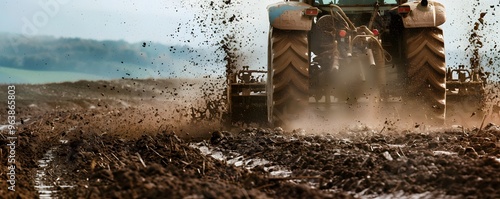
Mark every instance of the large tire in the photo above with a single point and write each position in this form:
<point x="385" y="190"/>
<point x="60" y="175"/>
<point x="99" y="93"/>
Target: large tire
<point x="426" y="74"/>
<point x="289" y="69"/>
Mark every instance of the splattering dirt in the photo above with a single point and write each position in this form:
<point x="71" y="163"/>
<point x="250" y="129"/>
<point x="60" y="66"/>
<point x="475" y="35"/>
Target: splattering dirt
<point x="219" y="29"/>
<point x="486" y="61"/>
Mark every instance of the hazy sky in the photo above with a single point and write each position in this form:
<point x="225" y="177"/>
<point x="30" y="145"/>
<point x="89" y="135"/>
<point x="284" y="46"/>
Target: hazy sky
<point x="156" y="20"/>
<point x="133" y="21"/>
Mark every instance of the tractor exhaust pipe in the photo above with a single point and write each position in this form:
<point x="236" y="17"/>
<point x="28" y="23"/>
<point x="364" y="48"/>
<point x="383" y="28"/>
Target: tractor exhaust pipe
<point x="335" y="64"/>
<point x="371" y="59"/>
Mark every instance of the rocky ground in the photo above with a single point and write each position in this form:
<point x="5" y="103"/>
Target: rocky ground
<point x="133" y="139"/>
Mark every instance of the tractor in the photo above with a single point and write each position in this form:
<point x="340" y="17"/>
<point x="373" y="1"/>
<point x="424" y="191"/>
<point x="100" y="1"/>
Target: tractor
<point x="342" y="51"/>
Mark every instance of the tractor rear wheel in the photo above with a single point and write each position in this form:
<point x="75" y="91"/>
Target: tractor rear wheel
<point x="289" y="69"/>
<point x="426" y="72"/>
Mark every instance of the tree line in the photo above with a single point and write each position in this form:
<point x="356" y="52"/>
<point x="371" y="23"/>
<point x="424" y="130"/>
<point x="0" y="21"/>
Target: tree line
<point x="112" y="57"/>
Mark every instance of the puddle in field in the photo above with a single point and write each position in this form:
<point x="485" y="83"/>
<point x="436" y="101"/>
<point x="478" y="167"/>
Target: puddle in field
<point x="444" y="153"/>
<point x="4" y="127"/>
<point x="233" y="158"/>
<point x="45" y="184"/>
<point x="42" y="185"/>
<point x="403" y="195"/>
<point x="279" y="171"/>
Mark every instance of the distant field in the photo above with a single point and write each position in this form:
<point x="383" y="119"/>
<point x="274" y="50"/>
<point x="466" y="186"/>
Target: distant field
<point x="19" y="76"/>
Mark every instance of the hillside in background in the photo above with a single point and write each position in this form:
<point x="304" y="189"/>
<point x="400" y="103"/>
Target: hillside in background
<point x="106" y="59"/>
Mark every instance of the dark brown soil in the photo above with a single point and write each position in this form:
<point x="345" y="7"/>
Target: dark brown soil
<point x="110" y="140"/>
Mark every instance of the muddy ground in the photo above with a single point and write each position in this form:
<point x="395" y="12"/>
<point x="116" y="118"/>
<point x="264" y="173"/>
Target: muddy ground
<point x="138" y="139"/>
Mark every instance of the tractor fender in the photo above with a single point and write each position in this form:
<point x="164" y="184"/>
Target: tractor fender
<point x="432" y="15"/>
<point x="289" y="16"/>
